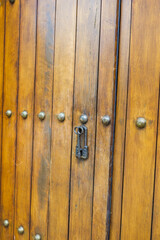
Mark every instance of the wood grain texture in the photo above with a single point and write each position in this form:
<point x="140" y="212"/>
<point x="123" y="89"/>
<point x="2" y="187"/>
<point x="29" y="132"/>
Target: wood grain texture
<point x="87" y="46"/>
<point x="142" y="102"/>
<point x="2" y="30"/>
<point x="156" y="208"/>
<point x="105" y="107"/>
<point x="9" y="124"/>
<point x="62" y="131"/>
<point x="25" y="127"/>
<point x="118" y="159"/>
<point x="42" y="129"/>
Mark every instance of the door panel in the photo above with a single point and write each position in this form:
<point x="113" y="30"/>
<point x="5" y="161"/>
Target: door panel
<point x="59" y="58"/>
<point x="156" y="209"/>
<point x="25" y="125"/>
<point x="10" y="90"/>
<point x="85" y="93"/>
<point x="122" y="93"/>
<point x="140" y="143"/>
<point x="64" y="62"/>
<point x="42" y="124"/>
<point x="140" y="158"/>
<point x="2" y="30"/>
<point x="102" y="175"/>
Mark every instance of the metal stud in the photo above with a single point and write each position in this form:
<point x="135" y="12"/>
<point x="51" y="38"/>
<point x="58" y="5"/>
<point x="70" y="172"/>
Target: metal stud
<point x="83" y="118"/>
<point x="141" y="122"/>
<point x="6" y="223"/>
<point x="61" y="117"/>
<point x="21" y="230"/>
<point x="8" y="113"/>
<point x="12" y="1"/>
<point x="24" y="114"/>
<point x="37" y="237"/>
<point x="106" y="120"/>
<point x="42" y="116"/>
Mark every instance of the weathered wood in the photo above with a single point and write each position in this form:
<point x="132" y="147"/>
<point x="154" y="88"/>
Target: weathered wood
<point x="42" y="129"/>
<point x="106" y="96"/>
<point x="9" y="124"/>
<point x="142" y="102"/>
<point x="25" y="127"/>
<point x="118" y="159"/>
<point x="62" y="131"/>
<point x="2" y="18"/>
<point x="2" y="30"/>
<point x="156" y="207"/>
<point x="87" y="46"/>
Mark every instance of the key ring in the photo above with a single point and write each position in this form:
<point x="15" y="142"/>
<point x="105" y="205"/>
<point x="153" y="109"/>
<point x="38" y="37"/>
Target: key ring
<point x="79" y="131"/>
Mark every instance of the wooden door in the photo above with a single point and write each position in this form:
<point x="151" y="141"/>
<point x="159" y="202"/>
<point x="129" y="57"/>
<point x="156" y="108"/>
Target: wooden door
<point x="58" y="61"/>
<point x="135" y="195"/>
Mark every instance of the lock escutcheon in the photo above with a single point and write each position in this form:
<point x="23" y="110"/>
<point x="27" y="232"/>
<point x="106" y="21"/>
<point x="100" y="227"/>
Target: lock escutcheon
<point x="81" y="132"/>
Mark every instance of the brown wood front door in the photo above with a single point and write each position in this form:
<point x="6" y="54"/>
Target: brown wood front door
<point x="136" y="171"/>
<point x="56" y="56"/>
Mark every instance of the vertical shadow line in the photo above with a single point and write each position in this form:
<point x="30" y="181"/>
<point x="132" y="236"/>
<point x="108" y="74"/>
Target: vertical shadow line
<point x="35" y="64"/>
<point x="125" y="123"/>
<point x="154" y="183"/>
<point x="108" y="222"/>
<point x="96" y="108"/>
<point x="69" y="208"/>
<point x="51" y="137"/>
<point x="2" y="105"/>
<point x="16" y="130"/>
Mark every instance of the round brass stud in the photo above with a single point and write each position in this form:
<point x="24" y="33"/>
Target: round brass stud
<point x="21" y="230"/>
<point x="141" y="122"/>
<point x="6" y="223"/>
<point x="37" y="237"/>
<point x="106" y="120"/>
<point x="83" y="118"/>
<point x="8" y="113"/>
<point x="24" y="114"/>
<point x="61" y="117"/>
<point x="12" y="1"/>
<point x="42" y="116"/>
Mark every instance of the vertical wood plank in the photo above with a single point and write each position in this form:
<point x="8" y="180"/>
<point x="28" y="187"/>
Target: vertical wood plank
<point x="87" y="47"/>
<point x="118" y="159"/>
<point x="9" y="124"/>
<point x="105" y="107"/>
<point x="142" y="102"/>
<point x="42" y="129"/>
<point x="25" y="126"/>
<point x="156" y="209"/>
<point x="2" y="35"/>
<point x="61" y="131"/>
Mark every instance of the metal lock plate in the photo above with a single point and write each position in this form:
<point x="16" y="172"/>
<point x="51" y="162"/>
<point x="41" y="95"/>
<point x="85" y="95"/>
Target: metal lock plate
<point x="81" y="148"/>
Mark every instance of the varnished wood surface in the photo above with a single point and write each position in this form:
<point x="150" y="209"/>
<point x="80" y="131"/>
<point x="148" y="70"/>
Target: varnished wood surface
<point x="9" y="124"/>
<point x="25" y="126"/>
<point x="156" y="208"/>
<point x="143" y="99"/>
<point x="2" y="30"/>
<point x="60" y="56"/>
<point x="85" y="92"/>
<point x="119" y="148"/>
<point x="42" y="129"/>
<point x="64" y="61"/>
<point x="107" y="63"/>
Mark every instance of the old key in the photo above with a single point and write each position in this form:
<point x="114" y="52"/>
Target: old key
<point x="81" y="153"/>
